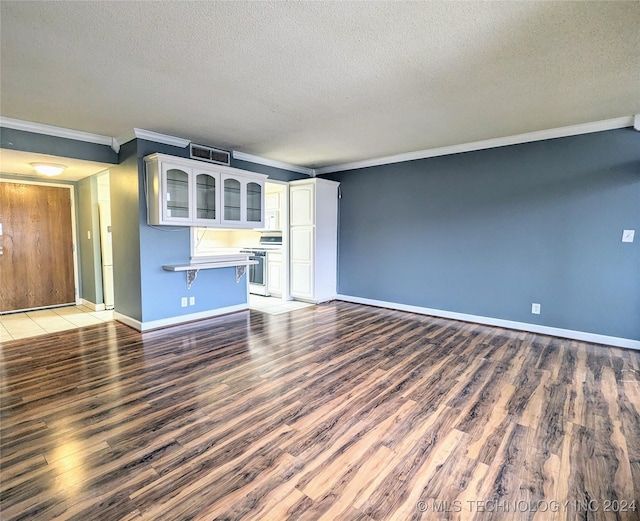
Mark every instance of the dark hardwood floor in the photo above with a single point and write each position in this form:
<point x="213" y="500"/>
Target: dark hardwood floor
<point x="338" y="411"/>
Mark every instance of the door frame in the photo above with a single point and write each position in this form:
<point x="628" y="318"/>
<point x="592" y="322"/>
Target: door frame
<point x="284" y="224"/>
<point x="74" y="236"/>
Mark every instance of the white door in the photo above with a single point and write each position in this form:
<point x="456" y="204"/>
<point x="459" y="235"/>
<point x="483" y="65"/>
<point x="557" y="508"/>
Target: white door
<point x="107" y="286"/>
<point x="106" y="249"/>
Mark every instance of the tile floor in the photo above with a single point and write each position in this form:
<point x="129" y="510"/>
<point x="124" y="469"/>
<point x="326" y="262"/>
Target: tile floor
<point x="32" y="323"/>
<point x="275" y="306"/>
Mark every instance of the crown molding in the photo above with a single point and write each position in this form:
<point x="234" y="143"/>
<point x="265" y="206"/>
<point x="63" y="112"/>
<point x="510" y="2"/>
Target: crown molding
<point x="272" y="162"/>
<point x="39" y="128"/>
<point x="122" y="139"/>
<point x="541" y="135"/>
<point x="148" y="135"/>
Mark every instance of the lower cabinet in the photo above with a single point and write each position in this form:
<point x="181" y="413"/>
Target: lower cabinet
<point x="275" y="273"/>
<point x="302" y="280"/>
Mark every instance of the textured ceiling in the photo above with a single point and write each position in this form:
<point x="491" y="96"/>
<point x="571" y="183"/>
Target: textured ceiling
<point x="18" y="162"/>
<point x="320" y="83"/>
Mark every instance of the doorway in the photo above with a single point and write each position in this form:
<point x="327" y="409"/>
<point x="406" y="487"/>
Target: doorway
<point x="276" y="298"/>
<point x="106" y="248"/>
<point x="38" y="264"/>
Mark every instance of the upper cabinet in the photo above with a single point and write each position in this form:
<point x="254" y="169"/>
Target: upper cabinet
<point x="242" y="201"/>
<point x="206" y="197"/>
<point x="272" y="204"/>
<point x="255" y="202"/>
<point x="175" y="184"/>
<point x="232" y="199"/>
<point x="302" y="201"/>
<point x="184" y="192"/>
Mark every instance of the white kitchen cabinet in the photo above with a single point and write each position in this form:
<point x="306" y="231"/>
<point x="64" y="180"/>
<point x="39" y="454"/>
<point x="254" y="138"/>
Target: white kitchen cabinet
<point x="206" y="205"/>
<point x="275" y="273"/>
<point x="243" y="201"/>
<point x="186" y="192"/>
<point x="302" y="260"/>
<point x="302" y="202"/>
<point x="272" y="201"/>
<point x="313" y="239"/>
<point x="169" y="188"/>
<point x="272" y="204"/>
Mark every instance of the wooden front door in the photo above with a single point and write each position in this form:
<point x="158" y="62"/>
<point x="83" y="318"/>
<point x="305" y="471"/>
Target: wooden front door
<point x="36" y="260"/>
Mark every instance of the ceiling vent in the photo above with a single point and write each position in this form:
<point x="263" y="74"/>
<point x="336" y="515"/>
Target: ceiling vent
<point x="211" y="155"/>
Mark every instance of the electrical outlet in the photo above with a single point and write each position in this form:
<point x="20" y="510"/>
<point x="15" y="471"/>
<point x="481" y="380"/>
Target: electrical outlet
<point x="192" y="301"/>
<point x="628" y="235"/>
<point x="89" y="235"/>
<point x="535" y="308"/>
<point x="183" y="302"/>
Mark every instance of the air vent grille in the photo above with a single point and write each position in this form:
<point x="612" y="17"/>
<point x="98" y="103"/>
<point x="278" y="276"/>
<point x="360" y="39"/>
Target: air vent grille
<point x="211" y="155"/>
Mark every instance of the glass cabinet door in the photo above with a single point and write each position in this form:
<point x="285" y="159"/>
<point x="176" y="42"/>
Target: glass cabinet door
<point x="232" y="200"/>
<point x="185" y="192"/>
<point x="254" y="202"/>
<point x="205" y="197"/>
<point x="177" y="193"/>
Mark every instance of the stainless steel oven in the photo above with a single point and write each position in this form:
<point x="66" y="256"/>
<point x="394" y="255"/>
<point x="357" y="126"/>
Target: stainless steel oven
<point x="258" y="272"/>
<point x="269" y="241"/>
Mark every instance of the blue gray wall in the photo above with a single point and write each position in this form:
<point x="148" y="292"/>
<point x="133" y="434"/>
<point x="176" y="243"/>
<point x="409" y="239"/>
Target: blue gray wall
<point x="275" y="174"/>
<point x="143" y="290"/>
<point x="489" y="232"/>
<point x="125" y="232"/>
<point x="43" y="144"/>
<point x="89" y="248"/>
<point x="160" y="245"/>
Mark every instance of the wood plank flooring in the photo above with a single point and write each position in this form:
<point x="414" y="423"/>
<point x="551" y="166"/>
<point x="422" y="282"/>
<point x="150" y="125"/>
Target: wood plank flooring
<point x="337" y="412"/>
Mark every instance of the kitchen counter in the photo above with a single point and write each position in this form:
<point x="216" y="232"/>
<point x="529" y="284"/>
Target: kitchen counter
<point x="238" y="260"/>
<point x="223" y="256"/>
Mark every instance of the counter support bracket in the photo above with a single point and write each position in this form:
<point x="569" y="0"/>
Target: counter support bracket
<point x="192" y="269"/>
<point x="191" y="276"/>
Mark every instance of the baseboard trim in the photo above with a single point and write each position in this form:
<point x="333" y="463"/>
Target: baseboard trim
<point x="174" y="321"/>
<point x="95" y="307"/>
<point x="488" y="321"/>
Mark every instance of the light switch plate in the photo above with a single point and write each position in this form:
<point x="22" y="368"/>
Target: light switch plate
<point x="628" y="235"/>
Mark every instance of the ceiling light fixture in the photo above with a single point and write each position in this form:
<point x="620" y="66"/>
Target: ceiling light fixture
<point x="48" y="169"/>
